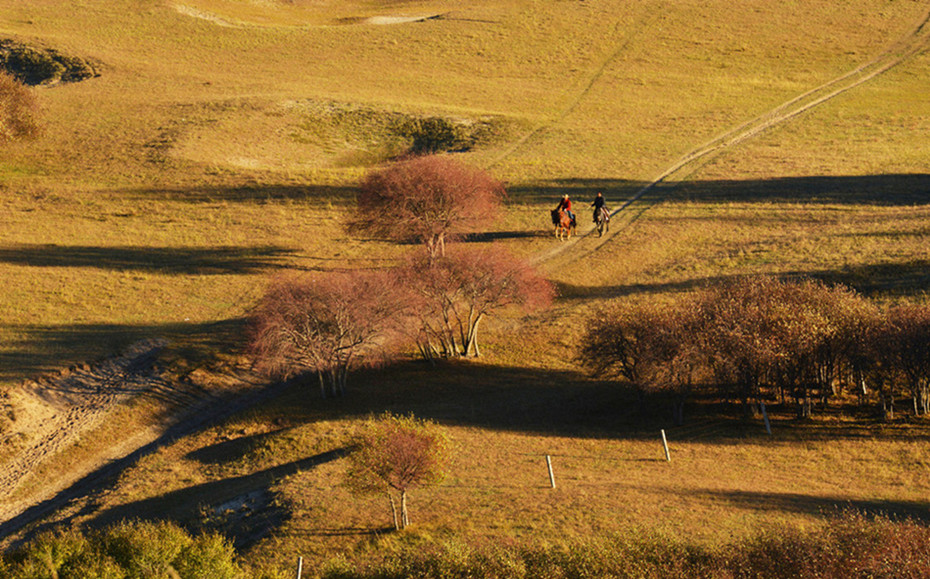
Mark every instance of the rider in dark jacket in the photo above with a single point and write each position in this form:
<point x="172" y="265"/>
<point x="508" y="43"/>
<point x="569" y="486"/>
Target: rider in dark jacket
<point x="599" y="204"/>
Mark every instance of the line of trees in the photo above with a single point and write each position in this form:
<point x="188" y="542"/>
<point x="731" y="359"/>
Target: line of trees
<point x="764" y="339"/>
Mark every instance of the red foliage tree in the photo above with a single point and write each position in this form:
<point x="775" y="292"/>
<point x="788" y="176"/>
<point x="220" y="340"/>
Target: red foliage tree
<point x="395" y="454"/>
<point x="454" y="293"/>
<point x="428" y="198"/>
<point x="325" y="324"/>
<point x="19" y="110"/>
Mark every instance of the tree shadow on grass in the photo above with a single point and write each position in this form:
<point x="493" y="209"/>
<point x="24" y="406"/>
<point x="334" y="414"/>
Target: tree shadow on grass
<point x="37" y="350"/>
<point x="888" y="189"/>
<point x="242" y="507"/>
<point x="166" y="260"/>
<point x="550" y="403"/>
<point x="911" y="278"/>
<point x="918" y="511"/>
<point x="324" y="195"/>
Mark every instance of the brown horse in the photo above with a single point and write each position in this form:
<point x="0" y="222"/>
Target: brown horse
<point x="564" y="225"/>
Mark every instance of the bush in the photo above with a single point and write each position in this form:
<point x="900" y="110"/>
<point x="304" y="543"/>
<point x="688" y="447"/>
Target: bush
<point x="19" y="110"/>
<point x="127" y="550"/>
<point x="848" y="546"/>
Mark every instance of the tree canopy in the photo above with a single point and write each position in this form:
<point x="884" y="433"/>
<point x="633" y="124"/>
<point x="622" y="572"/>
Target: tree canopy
<point x="428" y="198"/>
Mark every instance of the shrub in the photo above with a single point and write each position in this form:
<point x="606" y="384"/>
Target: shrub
<point x="19" y="110"/>
<point x="395" y="454"/>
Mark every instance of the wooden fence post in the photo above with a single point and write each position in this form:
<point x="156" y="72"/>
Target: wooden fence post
<point x="551" y="475"/>
<point x="668" y="457"/>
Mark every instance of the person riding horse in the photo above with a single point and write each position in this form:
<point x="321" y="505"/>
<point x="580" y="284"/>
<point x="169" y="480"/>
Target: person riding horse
<point x="566" y="205"/>
<point x="599" y="205"/>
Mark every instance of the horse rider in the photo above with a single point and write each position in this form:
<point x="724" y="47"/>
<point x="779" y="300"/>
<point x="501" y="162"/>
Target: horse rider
<point x="566" y="205"/>
<point x="598" y="205"/>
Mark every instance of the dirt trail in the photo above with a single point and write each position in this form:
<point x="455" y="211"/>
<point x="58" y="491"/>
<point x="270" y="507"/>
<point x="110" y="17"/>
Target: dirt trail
<point x="911" y="44"/>
<point x="54" y="412"/>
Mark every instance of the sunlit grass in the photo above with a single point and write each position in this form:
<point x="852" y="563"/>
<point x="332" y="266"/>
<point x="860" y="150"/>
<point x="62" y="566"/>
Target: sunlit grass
<point x="164" y="194"/>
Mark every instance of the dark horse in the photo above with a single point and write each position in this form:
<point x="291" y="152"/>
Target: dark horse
<point x="564" y="225"/>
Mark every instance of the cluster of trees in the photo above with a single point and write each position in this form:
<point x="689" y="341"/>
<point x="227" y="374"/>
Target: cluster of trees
<point x="19" y="110"/>
<point x="329" y="324"/>
<point x="763" y="339"/>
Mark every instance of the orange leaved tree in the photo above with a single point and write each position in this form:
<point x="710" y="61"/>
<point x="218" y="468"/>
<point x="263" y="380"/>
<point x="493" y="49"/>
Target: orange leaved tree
<point x="426" y="198"/>
<point x="325" y="324"/>
<point x="394" y="454"/>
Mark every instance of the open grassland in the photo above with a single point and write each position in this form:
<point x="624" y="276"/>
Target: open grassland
<point x="222" y="144"/>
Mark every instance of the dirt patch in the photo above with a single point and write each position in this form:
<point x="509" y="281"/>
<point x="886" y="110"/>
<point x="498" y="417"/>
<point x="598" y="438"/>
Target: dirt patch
<point x="388" y="20"/>
<point x="51" y="413"/>
<point x="36" y="65"/>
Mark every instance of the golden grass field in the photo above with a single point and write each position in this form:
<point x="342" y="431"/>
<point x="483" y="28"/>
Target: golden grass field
<point x="223" y="140"/>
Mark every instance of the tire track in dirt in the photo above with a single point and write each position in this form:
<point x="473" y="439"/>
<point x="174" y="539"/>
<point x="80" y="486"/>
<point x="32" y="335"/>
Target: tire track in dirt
<point x="65" y="407"/>
<point x="130" y="374"/>
<point x="908" y="46"/>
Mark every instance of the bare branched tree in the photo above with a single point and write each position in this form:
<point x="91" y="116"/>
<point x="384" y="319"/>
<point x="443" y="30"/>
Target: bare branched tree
<point x="456" y="292"/>
<point x="326" y="324"/>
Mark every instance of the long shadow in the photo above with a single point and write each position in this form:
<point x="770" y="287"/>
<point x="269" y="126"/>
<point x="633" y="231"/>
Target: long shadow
<point x="167" y="260"/>
<point x="227" y="502"/>
<point x="39" y="350"/>
<point x="899" y="279"/>
<point x="826" y="506"/>
<point x="889" y="190"/>
<point x="324" y="195"/>
<point x="541" y="402"/>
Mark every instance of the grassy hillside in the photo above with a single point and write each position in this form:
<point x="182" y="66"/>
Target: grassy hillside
<point x="222" y="143"/>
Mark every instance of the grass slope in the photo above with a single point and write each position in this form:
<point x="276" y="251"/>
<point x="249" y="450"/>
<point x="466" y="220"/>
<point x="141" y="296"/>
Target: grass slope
<point x="222" y="143"/>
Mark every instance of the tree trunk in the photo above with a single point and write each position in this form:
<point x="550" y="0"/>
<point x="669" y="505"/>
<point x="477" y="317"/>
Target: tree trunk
<point x="393" y="511"/>
<point x="404" y="520"/>
<point x="322" y="385"/>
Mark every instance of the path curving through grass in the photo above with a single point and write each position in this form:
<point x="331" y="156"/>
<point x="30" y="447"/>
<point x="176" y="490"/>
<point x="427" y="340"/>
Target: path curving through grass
<point x="916" y="41"/>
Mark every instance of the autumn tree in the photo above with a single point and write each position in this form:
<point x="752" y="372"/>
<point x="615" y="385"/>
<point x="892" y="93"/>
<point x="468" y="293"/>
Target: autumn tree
<point x="19" y="110"/>
<point x="325" y="324"/>
<point x="428" y="198"/>
<point x="906" y="346"/>
<point x="656" y="348"/>
<point x="394" y="454"/>
<point x="454" y="293"/>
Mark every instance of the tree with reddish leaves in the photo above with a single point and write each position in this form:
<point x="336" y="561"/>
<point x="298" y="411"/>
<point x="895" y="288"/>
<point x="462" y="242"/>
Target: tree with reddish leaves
<point x="327" y="324"/>
<point x="19" y="110"/>
<point x="394" y="454"/>
<point x="656" y="348"/>
<point x="428" y="198"/>
<point x="454" y="293"/>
